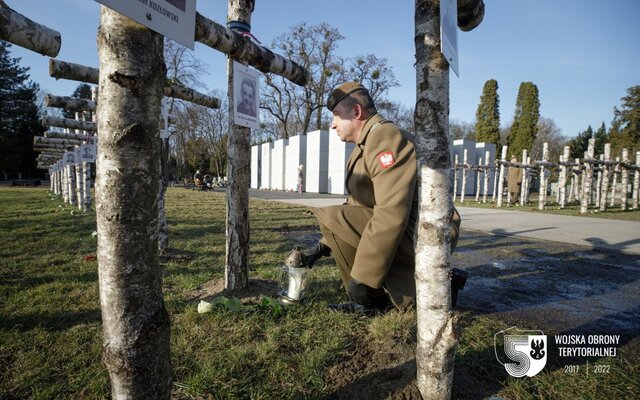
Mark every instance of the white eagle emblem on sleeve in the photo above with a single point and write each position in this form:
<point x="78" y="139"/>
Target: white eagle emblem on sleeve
<point x="386" y="159"/>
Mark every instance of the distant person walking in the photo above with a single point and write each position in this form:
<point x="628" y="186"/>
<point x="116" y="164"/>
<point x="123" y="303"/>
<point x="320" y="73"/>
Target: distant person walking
<point x="514" y="181"/>
<point x="300" y="178"/>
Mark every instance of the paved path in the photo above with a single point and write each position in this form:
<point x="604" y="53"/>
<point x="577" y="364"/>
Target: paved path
<point x="594" y="232"/>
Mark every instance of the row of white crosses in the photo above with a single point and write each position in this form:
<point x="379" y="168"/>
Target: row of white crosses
<point x="575" y="178"/>
<point x="482" y="176"/>
<point x="68" y="155"/>
<point x="66" y="70"/>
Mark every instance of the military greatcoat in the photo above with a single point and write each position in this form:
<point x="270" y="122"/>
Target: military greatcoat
<point x="371" y="235"/>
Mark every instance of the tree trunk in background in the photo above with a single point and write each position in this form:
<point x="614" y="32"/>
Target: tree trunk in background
<point x="163" y="230"/>
<point x="238" y="175"/>
<point x="544" y="181"/>
<point x="436" y="337"/>
<point x="587" y="178"/>
<point x="135" y="321"/>
<point x="606" y="170"/>
<point x="624" y="178"/>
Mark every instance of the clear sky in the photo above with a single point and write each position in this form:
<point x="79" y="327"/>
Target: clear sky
<point x="582" y="54"/>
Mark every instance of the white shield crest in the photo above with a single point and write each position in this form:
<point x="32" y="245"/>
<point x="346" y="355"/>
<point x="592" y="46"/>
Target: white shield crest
<point x="525" y="352"/>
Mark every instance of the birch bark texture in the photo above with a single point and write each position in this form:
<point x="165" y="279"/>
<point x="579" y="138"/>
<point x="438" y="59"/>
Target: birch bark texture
<point x="624" y="178"/>
<point x="526" y="173"/>
<point x="436" y="336"/>
<point x="636" y="183"/>
<point x="564" y="173"/>
<point x="236" y="275"/>
<point x="135" y="322"/>
<point x="606" y="171"/>
<point x="437" y="339"/>
<point x="65" y="70"/>
<point x="69" y="103"/>
<point x="486" y="172"/>
<point x="17" y="29"/>
<point x="544" y="181"/>
<point x="587" y="177"/>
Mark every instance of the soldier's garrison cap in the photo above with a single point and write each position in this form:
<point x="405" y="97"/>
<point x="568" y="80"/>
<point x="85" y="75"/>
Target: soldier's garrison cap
<point x="341" y="92"/>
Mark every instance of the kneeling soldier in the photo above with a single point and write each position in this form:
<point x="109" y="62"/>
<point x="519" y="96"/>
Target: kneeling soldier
<point x="371" y="235"/>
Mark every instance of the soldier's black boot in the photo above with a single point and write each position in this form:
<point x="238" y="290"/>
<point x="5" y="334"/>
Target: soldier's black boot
<point x="458" y="279"/>
<point x="313" y="254"/>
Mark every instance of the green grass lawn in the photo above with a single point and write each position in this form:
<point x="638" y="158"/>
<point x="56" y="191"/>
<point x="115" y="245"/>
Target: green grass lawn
<point x="50" y="323"/>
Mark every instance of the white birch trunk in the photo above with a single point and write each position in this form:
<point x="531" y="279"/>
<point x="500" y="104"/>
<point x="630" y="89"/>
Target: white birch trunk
<point x="465" y="173"/>
<point x="239" y="175"/>
<point x="563" y="177"/>
<point x="79" y="185"/>
<point x="455" y="177"/>
<point x="436" y="341"/>
<point x="605" y="178"/>
<point x="79" y="172"/>
<point x="163" y="232"/>
<point x="614" y="182"/>
<point x="478" y="179"/>
<point x="560" y="161"/>
<point x="573" y="183"/>
<point x="487" y="171"/>
<point x="65" y="183"/>
<point x="587" y="177"/>
<point x="495" y="181"/>
<point x="17" y="29"/>
<point x="624" y="179"/>
<point x="636" y="183"/>
<point x="577" y="188"/>
<point x="86" y="203"/>
<point x="524" y="186"/>
<point x="582" y="179"/>
<point x="503" y="158"/>
<point x="542" y="197"/>
<point x="134" y="320"/>
<point x="599" y="182"/>
<point x="71" y="173"/>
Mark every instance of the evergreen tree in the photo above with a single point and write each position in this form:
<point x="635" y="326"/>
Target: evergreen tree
<point x="625" y="128"/>
<point x="488" y="115"/>
<point x="580" y="143"/>
<point x="82" y="91"/>
<point x="602" y="137"/>
<point x="19" y="119"/>
<point x="525" y="122"/>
